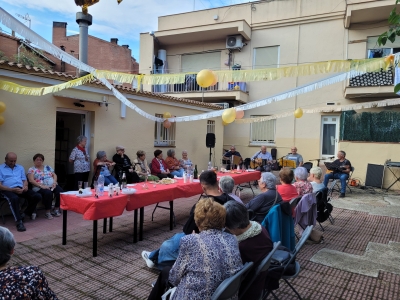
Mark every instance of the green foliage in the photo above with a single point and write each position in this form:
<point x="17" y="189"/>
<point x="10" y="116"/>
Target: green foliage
<point x="370" y="127"/>
<point x="31" y="58"/>
<point x="2" y="56"/>
<point x="394" y="30"/>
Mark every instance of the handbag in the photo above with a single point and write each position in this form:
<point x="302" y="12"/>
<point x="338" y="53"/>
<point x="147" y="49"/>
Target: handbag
<point x="316" y="236"/>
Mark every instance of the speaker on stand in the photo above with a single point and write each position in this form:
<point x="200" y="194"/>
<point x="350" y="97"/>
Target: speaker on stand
<point x="210" y="142"/>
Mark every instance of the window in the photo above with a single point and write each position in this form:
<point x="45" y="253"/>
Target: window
<point x="376" y="51"/>
<point x="164" y="136"/>
<point x="199" y="61"/>
<point x="210" y="126"/>
<point x="262" y="132"/>
<point x="266" y="57"/>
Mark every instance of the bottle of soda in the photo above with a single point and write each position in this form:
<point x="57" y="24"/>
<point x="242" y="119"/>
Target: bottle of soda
<point x="123" y="181"/>
<point x="195" y="172"/>
<point x="100" y="184"/>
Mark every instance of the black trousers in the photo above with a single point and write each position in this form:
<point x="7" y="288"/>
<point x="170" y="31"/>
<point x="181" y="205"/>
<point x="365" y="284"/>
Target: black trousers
<point x="13" y="200"/>
<point x="47" y="197"/>
<point x="161" y="285"/>
<point x="161" y="176"/>
<point x="84" y="177"/>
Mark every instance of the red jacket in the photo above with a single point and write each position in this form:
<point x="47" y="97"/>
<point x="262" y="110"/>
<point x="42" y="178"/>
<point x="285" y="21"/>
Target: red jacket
<point x="155" y="166"/>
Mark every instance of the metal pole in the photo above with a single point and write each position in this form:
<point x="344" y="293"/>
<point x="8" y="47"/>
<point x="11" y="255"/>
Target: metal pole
<point x="84" y="21"/>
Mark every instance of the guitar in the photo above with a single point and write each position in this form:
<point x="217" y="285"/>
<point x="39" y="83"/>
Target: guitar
<point x="258" y="162"/>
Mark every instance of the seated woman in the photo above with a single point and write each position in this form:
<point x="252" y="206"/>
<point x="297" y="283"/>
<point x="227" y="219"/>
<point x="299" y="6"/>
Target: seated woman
<point x="173" y="164"/>
<point x="286" y="189"/>
<point x="254" y="244"/>
<point x="315" y="179"/>
<point x="302" y="185"/>
<point x="262" y="203"/>
<point x="123" y="164"/>
<point x="185" y="162"/>
<point x="101" y="164"/>
<point x="142" y="168"/>
<point x="20" y="282"/>
<point x="226" y="185"/>
<point x="44" y="182"/>
<point x="158" y="166"/>
<point x="205" y="259"/>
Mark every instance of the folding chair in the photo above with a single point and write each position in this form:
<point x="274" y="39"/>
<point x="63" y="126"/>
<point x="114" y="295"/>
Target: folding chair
<point x="230" y="286"/>
<point x="262" y="267"/>
<point x="334" y="190"/>
<point x="292" y="258"/>
<point x="324" y="208"/>
<point x="308" y="166"/>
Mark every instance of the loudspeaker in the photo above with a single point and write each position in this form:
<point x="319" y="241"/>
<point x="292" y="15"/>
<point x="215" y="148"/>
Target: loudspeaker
<point x="210" y="140"/>
<point x="374" y="175"/>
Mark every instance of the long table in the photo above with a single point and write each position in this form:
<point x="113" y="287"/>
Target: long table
<point x="108" y="207"/>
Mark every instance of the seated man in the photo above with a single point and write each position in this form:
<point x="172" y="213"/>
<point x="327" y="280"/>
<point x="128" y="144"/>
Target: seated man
<point x="297" y="158"/>
<point x="13" y="184"/>
<point x="262" y="158"/>
<point x="226" y="159"/>
<point x="124" y="164"/>
<point x="254" y="244"/>
<point x="169" y="249"/>
<point x="341" y="171"/>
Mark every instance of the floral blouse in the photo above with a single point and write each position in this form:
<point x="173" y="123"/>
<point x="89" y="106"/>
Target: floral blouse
<point x="43" y="177"/>
<point x="20" y="283"/>
<point x="303" y="187"/>
<point x="204" y="261"/>
<point x="185" y="163"/>
<point x="81" y="165"/>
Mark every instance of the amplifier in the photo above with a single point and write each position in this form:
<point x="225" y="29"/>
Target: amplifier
<point x="374" y="176"/>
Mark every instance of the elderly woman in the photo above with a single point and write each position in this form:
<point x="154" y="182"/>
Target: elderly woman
<point x="20" y="282"/>
<point x="124" y="164"/>
<point x="205" y="259"/>
<point x="80" y="158"/>
<point x="173" y="164"/>
<point x="44" y="182"/>
<point x="286" y="189"/>
<point x="185" y="162"/>
<point x="302" y="185"/>
<point x="262" y="203"/>
<point x="142" y="168"/>
<point x="101" y="165"/>
<point x="226" y="185"/>
<point x="254" y="244"/>
<point x="315" y="179"/>
<point x="158" y="166"/>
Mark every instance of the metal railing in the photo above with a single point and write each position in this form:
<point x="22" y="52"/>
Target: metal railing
<point x="382" y="78"/>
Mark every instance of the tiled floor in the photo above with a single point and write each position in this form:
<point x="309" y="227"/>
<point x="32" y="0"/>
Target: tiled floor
<point x="120" y="273"/>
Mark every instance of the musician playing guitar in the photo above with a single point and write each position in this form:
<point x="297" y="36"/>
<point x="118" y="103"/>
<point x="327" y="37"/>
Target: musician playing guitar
<point x="341" y="170"/>
<point x="260" y="159"/>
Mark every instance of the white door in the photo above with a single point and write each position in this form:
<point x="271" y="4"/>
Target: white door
<point x="329" y="135"/>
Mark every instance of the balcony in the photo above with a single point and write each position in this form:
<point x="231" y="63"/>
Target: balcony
<point x="368" y="12"/>
<point x="371" y="85"/>
<point x="234" y="93"/>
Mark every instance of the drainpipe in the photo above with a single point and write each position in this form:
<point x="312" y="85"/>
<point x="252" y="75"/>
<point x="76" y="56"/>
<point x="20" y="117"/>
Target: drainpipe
<point x="19" y="50"/>
<point x="84" y="22"/>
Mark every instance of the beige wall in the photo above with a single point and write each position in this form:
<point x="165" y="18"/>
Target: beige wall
<point x="30" y="127"/>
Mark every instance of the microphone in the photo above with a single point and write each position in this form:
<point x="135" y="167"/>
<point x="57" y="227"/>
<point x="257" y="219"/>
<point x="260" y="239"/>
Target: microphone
<point x="331" y="157"/>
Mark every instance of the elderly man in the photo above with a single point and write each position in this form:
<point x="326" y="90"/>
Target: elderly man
<point x="265" y="157"/>
<point x="13" y="184"/>
<point x="228" y="155"/>
<point x="342" y="170"/>
<point x="262" y="203"/>
<point x="297" y="158"/>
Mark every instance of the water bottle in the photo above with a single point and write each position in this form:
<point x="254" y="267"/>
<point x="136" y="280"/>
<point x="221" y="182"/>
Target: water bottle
<point x="123" y="181"/>
<point x="209" y="166"/>
<point x="100" y="184"/>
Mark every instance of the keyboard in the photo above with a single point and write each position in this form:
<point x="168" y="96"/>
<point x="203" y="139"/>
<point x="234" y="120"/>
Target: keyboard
<point x="395" y="164"/>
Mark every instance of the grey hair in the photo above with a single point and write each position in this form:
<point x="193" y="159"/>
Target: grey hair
<point x="170" y="152"/>
<point x="301" y="173"/>
<point x="226" y="184"/>
<point x="184" y="151"/>
<point x="237" y="216"/>
<point x="7" y="244"/>
<point x="269" y="179"/>
<point x="317" y="172"/>
<point x="100" y="154"/>
<point x="81" y="138"/>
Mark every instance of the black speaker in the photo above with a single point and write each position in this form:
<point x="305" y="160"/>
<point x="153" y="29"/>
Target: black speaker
<point x="210" y="140"/>
<point x="374" y="175"/>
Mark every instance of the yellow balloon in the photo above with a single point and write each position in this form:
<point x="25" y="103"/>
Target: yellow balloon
<point x="236" y="88"/>
<point x="2" y="107"/>
<point x="2" y="120"/>
<point x="166" y="115"/>
<point x="205" y="78"/>
<point x="223" y="123"/>
<point x="215" y="79"/>
<point x="229" y="115"/>
<point x="298" y="113"/>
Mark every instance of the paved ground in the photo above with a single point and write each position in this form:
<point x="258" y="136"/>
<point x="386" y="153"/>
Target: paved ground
<point x="359" y="259"/>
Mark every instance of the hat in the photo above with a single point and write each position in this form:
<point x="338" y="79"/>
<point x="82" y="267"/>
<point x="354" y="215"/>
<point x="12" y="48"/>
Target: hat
<point x="120" y="148"/>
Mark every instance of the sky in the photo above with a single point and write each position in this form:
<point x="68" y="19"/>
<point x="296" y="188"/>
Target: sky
<point x="110" y="20"/>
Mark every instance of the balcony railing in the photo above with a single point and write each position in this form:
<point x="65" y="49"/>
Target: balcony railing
<point x="373" y="79"/>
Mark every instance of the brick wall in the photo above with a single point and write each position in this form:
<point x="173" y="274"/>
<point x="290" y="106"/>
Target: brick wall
<point x="9" y="45"/>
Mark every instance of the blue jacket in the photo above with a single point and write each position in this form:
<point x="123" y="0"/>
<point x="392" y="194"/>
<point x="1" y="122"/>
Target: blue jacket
<point x="280" y="226"/>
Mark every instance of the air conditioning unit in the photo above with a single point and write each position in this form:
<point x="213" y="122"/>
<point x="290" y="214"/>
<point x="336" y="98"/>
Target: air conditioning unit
<point x="234" y="42"/>
<point x="223" y="104"/>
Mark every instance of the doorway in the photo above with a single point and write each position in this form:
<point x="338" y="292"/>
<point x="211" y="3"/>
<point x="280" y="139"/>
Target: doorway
<point x="329" y="136"/>
<point x="69" y="125"/>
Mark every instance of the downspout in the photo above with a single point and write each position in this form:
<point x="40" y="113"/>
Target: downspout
<point x="19" y="50"/>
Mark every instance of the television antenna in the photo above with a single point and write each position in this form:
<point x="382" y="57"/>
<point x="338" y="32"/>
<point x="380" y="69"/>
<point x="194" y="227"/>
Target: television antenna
<point x="26" y="18"/>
